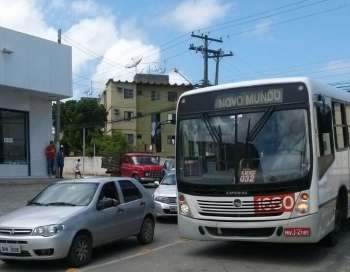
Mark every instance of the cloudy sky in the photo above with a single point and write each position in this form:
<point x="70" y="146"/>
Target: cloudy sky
<point x="268" y="38"/>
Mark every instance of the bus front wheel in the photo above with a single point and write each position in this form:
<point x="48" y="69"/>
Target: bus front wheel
<point x="340" y="214"/>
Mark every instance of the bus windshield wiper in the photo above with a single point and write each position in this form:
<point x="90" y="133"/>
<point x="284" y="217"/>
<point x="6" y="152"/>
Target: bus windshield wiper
<point x="35" y="203"/>
<point x="211" y="129"/>
<point x="251" y="135"/>
<point x="59" y="204"/>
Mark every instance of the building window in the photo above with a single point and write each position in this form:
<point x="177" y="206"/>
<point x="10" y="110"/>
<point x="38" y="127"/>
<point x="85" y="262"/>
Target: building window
<point x="13" y="137"/>
<point x="172" y="96"/>
<point x="139" y="92"/>
<point x="155" y="95"/>
<point x="130" y="138"/>
<point x="139" y="136"/>
<point x="116" y="111"/>
<point x="128" y="93"/>
<point x="172" y="117"/>
<point x="171" y="140"/>
<point x="128" y="115"/>
<point x="139" y="114"/>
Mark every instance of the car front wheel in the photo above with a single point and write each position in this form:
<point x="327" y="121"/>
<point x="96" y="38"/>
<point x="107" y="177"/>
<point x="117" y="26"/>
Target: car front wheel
<point x="81" y="251"/>
<point x="146" y="233"/>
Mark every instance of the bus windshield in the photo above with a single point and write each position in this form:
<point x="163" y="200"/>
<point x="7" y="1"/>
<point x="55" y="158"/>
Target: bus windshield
<point x="268" y="146"/>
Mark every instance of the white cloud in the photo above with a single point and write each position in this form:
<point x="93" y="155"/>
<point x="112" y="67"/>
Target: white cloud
<point x="337" y="67"/>
<point x="123" y="51"/>
<point x="261" y="29"/>
<point x="195" y="14"/>
<point x="25" y="16"/>
<point x="90" y="38"/>
<point x="85" y="7"/>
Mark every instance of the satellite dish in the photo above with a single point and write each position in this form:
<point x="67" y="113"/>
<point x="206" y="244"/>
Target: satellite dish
<point x="134" y="62"/>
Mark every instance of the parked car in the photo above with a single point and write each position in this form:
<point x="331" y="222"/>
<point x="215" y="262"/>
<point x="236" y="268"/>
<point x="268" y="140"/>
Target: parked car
<point x="68" y="219"/>
<point x="143" y="167"/>
<point x="165" y="196"/>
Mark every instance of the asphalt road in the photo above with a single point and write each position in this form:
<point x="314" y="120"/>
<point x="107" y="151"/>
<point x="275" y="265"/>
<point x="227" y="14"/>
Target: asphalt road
<point x="173" y="254"/>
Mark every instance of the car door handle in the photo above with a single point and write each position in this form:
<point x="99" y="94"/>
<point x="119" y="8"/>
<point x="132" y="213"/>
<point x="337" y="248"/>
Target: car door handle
<point x="142" y="203"/>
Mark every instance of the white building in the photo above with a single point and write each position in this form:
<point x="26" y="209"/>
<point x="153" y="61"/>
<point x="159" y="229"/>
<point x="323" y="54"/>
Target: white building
<point x="33" y="73"/>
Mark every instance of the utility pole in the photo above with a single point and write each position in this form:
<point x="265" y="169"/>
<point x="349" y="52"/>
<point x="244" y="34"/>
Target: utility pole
<point x="58" y="105"/>
<point x="205" y="52"/>
<point x="58" y="116"/>
<point x="217" y="56"/>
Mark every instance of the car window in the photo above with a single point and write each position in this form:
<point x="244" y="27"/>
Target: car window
<point x="169" y="180"/>
<point x="129" y="190"/>
<point x="109" y="191"/>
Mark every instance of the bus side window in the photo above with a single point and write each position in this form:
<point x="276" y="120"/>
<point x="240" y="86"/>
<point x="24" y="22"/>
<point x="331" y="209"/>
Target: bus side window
<point x="325" y="138"/>
<point x="340" y="127"/>
<point x="347" y="119"/>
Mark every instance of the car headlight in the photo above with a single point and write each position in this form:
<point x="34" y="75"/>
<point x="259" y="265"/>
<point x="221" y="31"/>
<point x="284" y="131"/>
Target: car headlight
<point x="147" y="174"/>
<point x="48" y="231"/>
<point x="184" y="208"/>
<point x="159" y="198"/>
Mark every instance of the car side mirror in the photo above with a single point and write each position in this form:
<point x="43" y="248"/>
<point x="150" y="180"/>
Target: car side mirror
<point x="107" y="203"/>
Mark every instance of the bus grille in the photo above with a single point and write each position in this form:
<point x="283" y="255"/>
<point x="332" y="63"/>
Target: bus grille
<point x="248" y="208"/>
<point x="249" y="232"/>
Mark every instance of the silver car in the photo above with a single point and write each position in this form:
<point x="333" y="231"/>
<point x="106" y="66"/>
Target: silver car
<point x="165" y="196"/>
<point x="68" y="219"/>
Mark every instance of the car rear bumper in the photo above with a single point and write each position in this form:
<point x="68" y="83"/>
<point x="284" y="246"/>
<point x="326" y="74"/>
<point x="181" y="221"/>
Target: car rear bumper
<point x="297" y="230"/>
<point x="38" y="247"/>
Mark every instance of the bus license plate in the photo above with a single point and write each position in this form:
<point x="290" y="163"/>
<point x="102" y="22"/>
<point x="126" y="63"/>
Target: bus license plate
<point x="10" y="248"/>
<point x="297" y="232"/>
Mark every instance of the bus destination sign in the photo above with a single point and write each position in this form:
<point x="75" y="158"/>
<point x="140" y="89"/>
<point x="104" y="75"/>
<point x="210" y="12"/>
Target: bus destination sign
<point x="249" y="98"/>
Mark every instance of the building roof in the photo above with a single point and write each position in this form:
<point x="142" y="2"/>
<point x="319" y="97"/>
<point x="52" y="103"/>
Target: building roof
<point x="150" y="79"/>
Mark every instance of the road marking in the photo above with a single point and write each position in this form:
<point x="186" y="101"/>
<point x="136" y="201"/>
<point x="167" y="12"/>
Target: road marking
<point x="144" y="252"/>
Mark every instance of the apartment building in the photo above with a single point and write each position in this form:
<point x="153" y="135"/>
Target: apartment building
<point x="144" y="111"/>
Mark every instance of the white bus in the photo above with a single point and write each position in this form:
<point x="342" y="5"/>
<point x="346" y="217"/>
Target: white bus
<point x="264" y="160"/>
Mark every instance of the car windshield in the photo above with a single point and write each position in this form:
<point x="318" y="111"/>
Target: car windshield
<point x="66" y="194"/>
<point x="249" y="148"/>
<point x="169" y="180"/>
<point x="146" y="160"/>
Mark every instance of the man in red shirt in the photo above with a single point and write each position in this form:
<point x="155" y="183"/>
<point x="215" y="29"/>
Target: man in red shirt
<point x="50" y="153"/>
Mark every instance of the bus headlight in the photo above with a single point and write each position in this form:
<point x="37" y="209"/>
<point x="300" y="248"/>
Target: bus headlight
<point x="184" y="208"/>
<point x="302" y="206"/>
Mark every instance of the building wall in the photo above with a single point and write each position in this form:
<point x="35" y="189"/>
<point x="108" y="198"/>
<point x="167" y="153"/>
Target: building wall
<point x="35" y="64"/>
<point x="115" y="101"/>
<point x="147" y="106"/>
<point x="40" y="132"/>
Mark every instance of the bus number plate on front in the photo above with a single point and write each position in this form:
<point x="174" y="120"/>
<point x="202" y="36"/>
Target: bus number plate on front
<point x="297" y="232"/>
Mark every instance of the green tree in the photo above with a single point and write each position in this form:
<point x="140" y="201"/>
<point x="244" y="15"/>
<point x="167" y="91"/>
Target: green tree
<point x="76" y="115"/>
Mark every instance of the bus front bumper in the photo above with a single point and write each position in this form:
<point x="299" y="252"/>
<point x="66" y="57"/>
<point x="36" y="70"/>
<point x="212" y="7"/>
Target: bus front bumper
<point x="295" y="230"/>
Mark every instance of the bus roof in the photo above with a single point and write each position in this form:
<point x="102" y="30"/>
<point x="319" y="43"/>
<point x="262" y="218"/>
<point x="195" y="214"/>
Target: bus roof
<point x="314" y="86"/>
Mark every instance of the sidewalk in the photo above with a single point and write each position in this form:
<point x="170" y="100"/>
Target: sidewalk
<point x="27" y="181"/>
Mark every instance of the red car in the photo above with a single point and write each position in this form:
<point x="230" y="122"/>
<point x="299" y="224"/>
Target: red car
<point x="141" y="166"/>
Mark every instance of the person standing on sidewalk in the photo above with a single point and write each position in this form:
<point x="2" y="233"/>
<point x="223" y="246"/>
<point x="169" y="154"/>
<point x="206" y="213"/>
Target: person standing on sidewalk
<point x="60" y="162"/>
<point x="50" y="153"/>
<point x="77" y="172"/>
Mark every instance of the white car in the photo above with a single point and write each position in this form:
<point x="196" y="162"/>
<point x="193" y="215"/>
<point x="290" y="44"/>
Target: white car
<point x="165" y="196"/>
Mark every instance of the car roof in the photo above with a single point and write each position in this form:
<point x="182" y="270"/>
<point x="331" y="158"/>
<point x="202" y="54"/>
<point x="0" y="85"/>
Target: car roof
<point x="95" y="180"/>
<point x="140" y="154"/>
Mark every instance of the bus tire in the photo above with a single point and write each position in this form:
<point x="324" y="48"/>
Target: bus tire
<point x="332" y="238"/>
